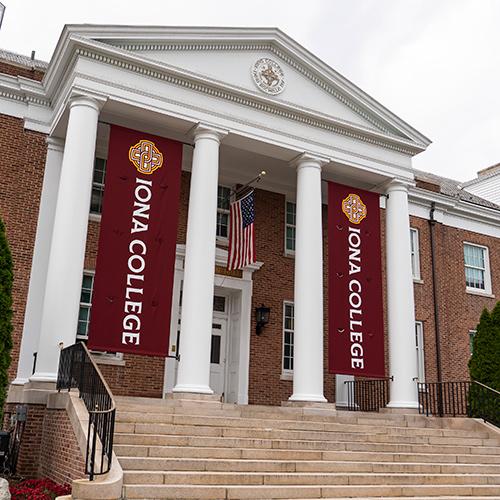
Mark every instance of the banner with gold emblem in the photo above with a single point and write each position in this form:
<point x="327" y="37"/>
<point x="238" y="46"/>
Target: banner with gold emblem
<point x="132" y="296"/>
<point x="355" y="306"/>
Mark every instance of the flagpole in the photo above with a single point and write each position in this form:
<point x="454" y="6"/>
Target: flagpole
<point x="248" y="184"/>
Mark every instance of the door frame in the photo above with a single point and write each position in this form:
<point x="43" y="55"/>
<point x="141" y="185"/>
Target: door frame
<point x="241" y="288"/>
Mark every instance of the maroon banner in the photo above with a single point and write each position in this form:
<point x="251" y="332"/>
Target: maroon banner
<point x="132" y="296"/>
<point x="355" y="312"/>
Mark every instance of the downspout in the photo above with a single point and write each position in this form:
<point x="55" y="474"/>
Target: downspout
<point x="432" y="223"/>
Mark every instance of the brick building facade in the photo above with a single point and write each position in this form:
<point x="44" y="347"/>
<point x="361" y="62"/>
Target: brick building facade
<point x="461" y="219"/>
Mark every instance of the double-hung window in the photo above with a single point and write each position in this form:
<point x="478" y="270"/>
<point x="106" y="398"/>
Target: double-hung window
<point x="477" y="268"/>
<point x="82" y="332"/>
<point x="415" y="254"/>
<point x="419" y="342"/>
<point x="98" y="186"/>
<point x="290" y="212"/>
<point x="223" y="194"/>
<point x="288" y="329"/>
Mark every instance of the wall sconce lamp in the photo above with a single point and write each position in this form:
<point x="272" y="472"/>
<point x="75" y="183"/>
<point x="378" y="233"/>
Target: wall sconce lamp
<point x="261" y="318"/>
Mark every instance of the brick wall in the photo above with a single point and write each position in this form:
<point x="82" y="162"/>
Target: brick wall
<point x="48" y="445"/>
<point x="21" y="175"/>
<point x="60" y="456"/>
<point x="31" y="442"/>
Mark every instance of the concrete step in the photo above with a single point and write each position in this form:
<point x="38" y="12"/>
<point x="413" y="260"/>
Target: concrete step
<point x="280" y="424"/>
<point x="173" y="491"/>
<point x="303" y="478"/>
<point x="322" y="445"/>
<point x="273" y="433"/>
<point x="138" y="450"/>
<point x="235" y="465"/>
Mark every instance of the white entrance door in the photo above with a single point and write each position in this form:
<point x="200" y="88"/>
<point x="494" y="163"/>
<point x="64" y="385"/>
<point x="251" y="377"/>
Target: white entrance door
<point x="218" y="355"/>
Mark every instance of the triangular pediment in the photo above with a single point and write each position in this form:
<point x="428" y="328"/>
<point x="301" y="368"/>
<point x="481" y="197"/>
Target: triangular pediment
<point x="225" y="58"/>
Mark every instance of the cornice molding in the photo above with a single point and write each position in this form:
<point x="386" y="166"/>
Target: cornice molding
<point x="22" y="90"/>
<point x="456" y="207"/>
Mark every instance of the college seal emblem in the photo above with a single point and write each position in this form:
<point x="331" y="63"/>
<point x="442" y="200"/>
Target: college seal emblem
<point x="268" y="76"/>
<point x="145" y="157"/>
<point x="354" y="208"/>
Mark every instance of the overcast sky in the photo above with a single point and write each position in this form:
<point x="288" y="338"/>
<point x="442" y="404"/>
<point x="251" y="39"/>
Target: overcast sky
<point x="435" y="63"/>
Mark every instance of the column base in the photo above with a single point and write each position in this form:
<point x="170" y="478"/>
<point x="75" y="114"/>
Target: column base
<point x="34" y="392"/>
<point x="20" y="381"/>
<point x="193" y="389"/>
<point x="43" y="377"/>
<point x="413" y="405"/>
<point x="308" y="398"/>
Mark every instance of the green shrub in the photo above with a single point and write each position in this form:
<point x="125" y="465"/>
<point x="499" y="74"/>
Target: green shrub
<point x="5" y="314"/>
<point x="484" y="364"/>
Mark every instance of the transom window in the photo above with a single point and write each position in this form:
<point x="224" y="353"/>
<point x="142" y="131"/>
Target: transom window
<point x="98" y="186"/>
<point x="288" y="329"/>
<point x="290" y="226"/>
<point x="415" y="254"/>
<point x="477" y="268"/>
<point x="82" y="332"/>
<point x="223" y="194"/>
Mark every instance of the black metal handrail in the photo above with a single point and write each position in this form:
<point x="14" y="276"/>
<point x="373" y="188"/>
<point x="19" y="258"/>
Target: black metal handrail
<point x="367" y="394"/>
<point x="459" y="399"/>
<point x="484" y="402"/>
<point x="78" y="370"/>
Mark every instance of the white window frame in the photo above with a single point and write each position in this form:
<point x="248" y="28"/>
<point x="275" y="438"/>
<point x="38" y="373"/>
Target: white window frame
<point x="472" y="334"/>
<point x="287" y="373"/>
<point x="101" y="357"/>
<point x="289" y="251"/>
<point x="420" y="350"/>
<point x="487" y="270"/>
<point x="223" y="239"/>
<point x="415" y="253"/>
<point x="88" y="305"/>
<point x="98" y="185"/>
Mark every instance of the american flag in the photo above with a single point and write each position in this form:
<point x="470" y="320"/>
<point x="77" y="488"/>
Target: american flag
<point x="241" y="233"/>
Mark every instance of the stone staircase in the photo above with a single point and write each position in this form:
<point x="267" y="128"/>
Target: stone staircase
<point x="203" y="449"/>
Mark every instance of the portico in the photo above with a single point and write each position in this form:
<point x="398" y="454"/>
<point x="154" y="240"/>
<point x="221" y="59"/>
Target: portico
<point x="175" y="83"/>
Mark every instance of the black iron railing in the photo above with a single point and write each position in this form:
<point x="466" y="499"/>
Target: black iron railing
<point x="484" y="402"/>
<point x="443" y="399"/>
<point x="459" y="399"/>
<point x="367" y="394"/>
<point x="78" y="370"/>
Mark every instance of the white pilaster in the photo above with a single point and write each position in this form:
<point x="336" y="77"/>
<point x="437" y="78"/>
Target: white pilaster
<point x="400" y="301"/>
<point x="67" y="251"/>
<point x="39" y="264"/>
<point x="308" y="288"/>
<point x="197" y="296"/>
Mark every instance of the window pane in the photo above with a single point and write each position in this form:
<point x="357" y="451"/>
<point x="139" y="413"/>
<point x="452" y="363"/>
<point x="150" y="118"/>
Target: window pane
<point x="474" y="256"/>
<point x="290" y="213"/>
<point x="219" y="303"/>
<point x="223" y="197"/>
<point x="215" y="349"/>
<point x="474" y="278"/>
<point x="223" y="225"/>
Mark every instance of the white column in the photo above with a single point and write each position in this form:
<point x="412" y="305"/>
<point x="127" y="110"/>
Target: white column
<point x="197" y="295"/>
<point x="39" y="264"/>
<point x="67" y="252"/>
<point x="308" y="288"/>
<point x="400" y="301"/>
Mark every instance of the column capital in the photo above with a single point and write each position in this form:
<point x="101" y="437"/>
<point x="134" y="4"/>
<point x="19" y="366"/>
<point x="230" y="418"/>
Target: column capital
<point x="309" y="160"/>
<point x="55" y="144"/>
<point x="398" y="185"/>
<point x="93" y="102"/>
<point x="206" y="131"/>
